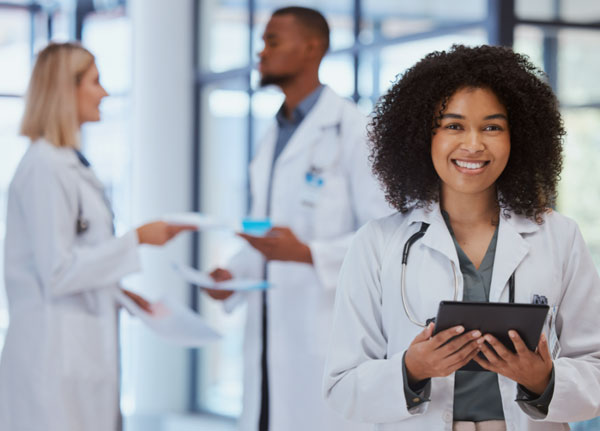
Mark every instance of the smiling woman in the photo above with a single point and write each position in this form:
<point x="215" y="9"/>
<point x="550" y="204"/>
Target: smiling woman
<point x="467" y="145"/>
<point x="402" y="158"/>
<point x="471" y="144"/>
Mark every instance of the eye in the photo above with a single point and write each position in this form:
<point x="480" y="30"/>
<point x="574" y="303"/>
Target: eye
<point x="453" y="126"/>
<point x="493" y="128"/>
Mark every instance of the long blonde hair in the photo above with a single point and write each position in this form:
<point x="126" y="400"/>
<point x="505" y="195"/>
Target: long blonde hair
<point x="51" y="102"/>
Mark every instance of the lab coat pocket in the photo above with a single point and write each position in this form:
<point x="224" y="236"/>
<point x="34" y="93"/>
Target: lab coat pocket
<point x="84" y="349"/>
<point x="333" y="212"/>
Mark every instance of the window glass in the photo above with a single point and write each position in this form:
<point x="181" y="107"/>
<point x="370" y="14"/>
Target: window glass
<point x="223" y="34"/>
<point x="394" y="18"/>
<point x="530" y="41"/>
<point x="580" y="177"/>
<point x="576" y="87"/>
<point x="224" y="159"/>
<point x="397" y="58"/>
<point x="578" y="67"/>
<point x="337" y="71"/>
<point x="536" y="9"/>
<point x="15" y="50"/>
<point x="108" y="37"/>
<point x="61" y="27"/>
<point x="580" y="10"/>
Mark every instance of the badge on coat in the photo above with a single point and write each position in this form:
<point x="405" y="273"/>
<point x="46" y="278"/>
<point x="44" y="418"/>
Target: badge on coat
<point x="313" y="184"/>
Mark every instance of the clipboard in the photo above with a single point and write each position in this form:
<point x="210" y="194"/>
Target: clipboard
<point x="495" y="318"/>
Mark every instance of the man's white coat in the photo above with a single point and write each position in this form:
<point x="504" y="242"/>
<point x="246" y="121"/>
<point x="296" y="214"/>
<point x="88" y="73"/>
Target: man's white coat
<point x="300" y="306"/>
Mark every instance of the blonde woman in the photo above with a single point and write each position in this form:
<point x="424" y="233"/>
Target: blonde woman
<point x="59" y="367"/>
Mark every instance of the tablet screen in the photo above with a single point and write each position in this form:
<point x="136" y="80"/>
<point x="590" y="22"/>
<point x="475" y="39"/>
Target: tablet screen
<point x="495" y="318"/>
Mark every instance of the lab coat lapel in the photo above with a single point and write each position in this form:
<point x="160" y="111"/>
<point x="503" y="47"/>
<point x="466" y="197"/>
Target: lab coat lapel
<point x="325" y="113"/>
<point x="87" y="175"/>
<point x="511" y="249"/>
<point x="260" y="171"/>
<point x="437" y="236"/>
<point x="85" y="172"/>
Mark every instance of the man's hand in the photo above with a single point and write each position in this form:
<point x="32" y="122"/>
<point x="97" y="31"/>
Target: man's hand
<point x="219" y="275"/>
<point x="531" y="370"/>
<point x="280" y="243"/>
<point x="436" y="356"/>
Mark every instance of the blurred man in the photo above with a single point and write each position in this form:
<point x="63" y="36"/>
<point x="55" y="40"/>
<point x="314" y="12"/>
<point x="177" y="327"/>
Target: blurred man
<point x="312" y="177"/>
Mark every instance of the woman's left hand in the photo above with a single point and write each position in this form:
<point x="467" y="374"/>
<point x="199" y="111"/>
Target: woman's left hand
<point x="139" y="300"/>
<point x="531" y="370"/>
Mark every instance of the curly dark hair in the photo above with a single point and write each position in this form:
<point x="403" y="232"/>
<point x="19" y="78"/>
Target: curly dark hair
<point x="405" y="120"/>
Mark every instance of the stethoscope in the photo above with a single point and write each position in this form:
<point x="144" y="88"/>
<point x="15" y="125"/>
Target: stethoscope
<point x="82" y="224"/>
<point x="414" y="238"/>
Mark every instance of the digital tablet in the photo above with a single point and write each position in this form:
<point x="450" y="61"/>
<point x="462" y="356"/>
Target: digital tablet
<point x="495" y="318"/>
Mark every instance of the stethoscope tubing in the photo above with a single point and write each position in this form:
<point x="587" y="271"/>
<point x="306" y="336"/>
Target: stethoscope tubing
<point x="405" y="252"/>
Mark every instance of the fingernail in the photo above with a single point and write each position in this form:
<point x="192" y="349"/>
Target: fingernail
<point x="488" y="338"/>
<point x="543" y="337"/>
<point x="460" y="329"/>
<point x="480" y="341"/>
<point x="476" y="334"/>
<point x="511" y="334"/>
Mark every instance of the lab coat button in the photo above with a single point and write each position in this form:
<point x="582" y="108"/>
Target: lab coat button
<point x="416" y="399"/>
<point x="447" y="416"/>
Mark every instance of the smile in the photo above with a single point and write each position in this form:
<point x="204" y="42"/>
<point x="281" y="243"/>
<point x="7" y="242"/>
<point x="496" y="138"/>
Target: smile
<point x="469" y="165"/>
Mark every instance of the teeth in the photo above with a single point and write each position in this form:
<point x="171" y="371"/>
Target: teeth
<point x="469" y="165"/>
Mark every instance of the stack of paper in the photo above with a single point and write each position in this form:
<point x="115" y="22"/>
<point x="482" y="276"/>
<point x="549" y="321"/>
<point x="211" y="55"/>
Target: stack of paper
<point x="204" y="280"/>
<point x="172" y="321"/>
<point x="202" y="221"/>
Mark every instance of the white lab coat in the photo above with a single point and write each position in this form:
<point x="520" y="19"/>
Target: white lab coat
<point x="300" y="306"/>
<point x="363" y="376"/>
<point x="59" y="366"/>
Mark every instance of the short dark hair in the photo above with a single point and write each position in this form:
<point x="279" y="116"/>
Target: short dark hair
<point x="311" y="19"/>
<point x="406" y="118"/>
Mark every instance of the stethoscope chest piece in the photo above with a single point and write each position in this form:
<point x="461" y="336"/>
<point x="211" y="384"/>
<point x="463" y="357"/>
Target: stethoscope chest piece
<point x="81" y="225"/>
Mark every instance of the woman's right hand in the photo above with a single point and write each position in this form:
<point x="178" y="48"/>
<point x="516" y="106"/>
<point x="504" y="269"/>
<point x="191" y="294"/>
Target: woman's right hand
<point x="159" y="232"/>
<point x="219" y="275"/>
<point x="429" y="356"/>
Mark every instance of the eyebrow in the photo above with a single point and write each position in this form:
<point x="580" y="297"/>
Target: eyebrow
<point x="462" y="117"/>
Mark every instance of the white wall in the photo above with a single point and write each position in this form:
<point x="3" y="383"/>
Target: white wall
<point x="156" y="372"/>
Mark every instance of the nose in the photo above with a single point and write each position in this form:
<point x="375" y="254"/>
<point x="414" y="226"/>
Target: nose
<point x="473" y="142"/>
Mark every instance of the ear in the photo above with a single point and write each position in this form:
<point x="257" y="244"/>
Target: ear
<point x="314" y="48"/>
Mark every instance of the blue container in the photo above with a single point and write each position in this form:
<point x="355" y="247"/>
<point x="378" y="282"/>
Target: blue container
<point x="256" y="227"/>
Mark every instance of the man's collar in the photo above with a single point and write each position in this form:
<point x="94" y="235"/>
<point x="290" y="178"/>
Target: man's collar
<point x="303" y="108"/>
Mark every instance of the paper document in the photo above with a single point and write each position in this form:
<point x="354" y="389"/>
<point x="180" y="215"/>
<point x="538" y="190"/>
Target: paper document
<point x="201" y="221"/>
<point x="203" y="279"/>
<point x="173" y="321"/>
